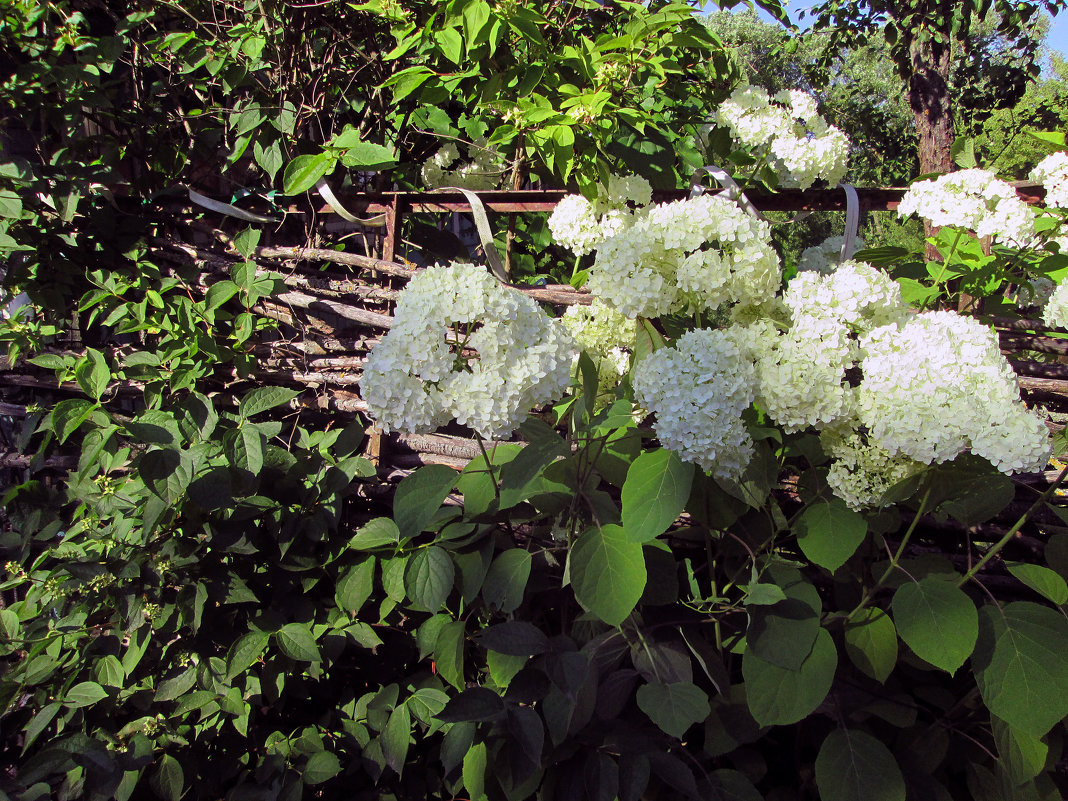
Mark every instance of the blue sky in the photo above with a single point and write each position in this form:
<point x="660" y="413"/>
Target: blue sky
<point x="1057" y="39"/>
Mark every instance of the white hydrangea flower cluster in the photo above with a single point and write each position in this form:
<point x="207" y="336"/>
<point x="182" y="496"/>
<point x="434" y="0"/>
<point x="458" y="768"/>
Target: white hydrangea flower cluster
<point x="826" y="256"/>
<point x="581" y="225"/>
<point x="424" y="372"/>
<point x="937" y="386"/>
<point x="481" y="173"/>
<point x="891" y="391"/>
<point x="975" y="200"/>
<point x="799" y="144"/>
<point x="1055" y="312"/>
<point x="694" y="254"/>
<point x="863" y="472"/>
<point x="1052" y="173"/>
<point x="607" y="337"/>
<point x="698" y="390"/>
<point x="856" y="295"/>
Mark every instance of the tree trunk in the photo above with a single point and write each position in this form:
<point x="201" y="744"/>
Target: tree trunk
<point x="933" y="111"/>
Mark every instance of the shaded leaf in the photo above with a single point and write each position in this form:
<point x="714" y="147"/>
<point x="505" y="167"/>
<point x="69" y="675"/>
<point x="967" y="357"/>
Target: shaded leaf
<point x="607" y="572"/>
<point x="854" y="766"/>
<point x="937" y="621"/>
<point x="654" y="493"/>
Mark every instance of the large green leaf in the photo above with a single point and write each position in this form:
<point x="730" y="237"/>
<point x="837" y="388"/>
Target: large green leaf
<point x="1021" y="665"/>
<point x="607" y="572"/>
<point x="245" y="652"/>
<point x="474" y="772"/>
<point x="1046" y="582"/>
<point x="85" y="693"/>
<point x="1022" y="756"/>
<point x="783" y="633"/>
<point x="303" y="172"/>
<point x="854" y="766"/>
<point x="419" y="496"/>
<point x="355" y="585"/>
<point x="871" y="643"/>
<point x="428" y="577"/>
<point x="68" y="415"/>
<point x="297" y="642"/>
<point x="655" y="492"/>
<point x="779" y="696"/>
<point x="506" y="580"/>
<point x="829" y="532"/>
<point x="673" y="707"/>
<point x="321" y="766"/>
<point x="396" y="736"/>
<point x="263" y="398"/>
<point x="449" y="654"/>
<point x="937" y="621"/>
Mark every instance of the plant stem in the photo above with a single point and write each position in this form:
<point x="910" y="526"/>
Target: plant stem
<point x="870" y="592"/>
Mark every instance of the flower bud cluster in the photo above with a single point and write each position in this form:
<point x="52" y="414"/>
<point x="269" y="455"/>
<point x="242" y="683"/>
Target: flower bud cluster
<point x="689" y="255"/>
<point x="1052" y="173"/>
<point x="974" y="200"/>
<point x="797" y="142"/>
<point x="465" y="347"/>
<point x="606" y="336"/>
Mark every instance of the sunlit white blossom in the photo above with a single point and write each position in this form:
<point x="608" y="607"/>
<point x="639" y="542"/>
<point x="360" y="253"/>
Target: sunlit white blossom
<point x="465" y="347"/>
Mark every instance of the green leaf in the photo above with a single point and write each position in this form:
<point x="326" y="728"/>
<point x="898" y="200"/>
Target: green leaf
<point x="245" y="652"/>
<point x="506" y="580"/>
<point x="654" y="494"/>
<point x="451" y="45"/>
<point x="375" y="533"/>
<point x="428" y="578"/>
<point x="763" y="594"/>
<point x="168" y="781"/>
<point x="93" y="373"/>
<point x="854" y="766"/>
<point x="369" y="156"/>
<point x="515" y="638"/>
<point x="263" y="398"/>
<point x="449" y="654"/>
<point x="84" y="694"/>
<point x="829" y="532"/>
<point x="474" y="703"/>
<point x="10" y="204"/>
<point x="303" y="172"/>
<point x="68" y="415"/>
<point x="297" y="642"/>
<point x="419" y="496"/>
<point x="218" y="293"/>
<point x="871" y="643"/>
<point x="269" y="157"/>
<point x="247" y="449"/>
<point x="673" y="707"/>
<point x="937" y="621"/>
<point x="1023" y="756"/>
<point x="1021" y="665"/>
<point x="1042" y="580"/>
<point x="607" y="572"/>
<point x="474" y="772"/>
<point x="355" y="586"/>
<point x="784" y="633"/>
<point x="320" y="767"/>
<point x="395" y="737"/>
<point x="39" y="723"/>
<point x="778" y="696"/>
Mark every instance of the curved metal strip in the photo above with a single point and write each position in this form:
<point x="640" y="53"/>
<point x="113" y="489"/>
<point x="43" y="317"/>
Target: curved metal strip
<point x="226" y="208"/>
<point x="849" y="241"/>
<point x="485" y="233"/>
<point x="327" y="194"/>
